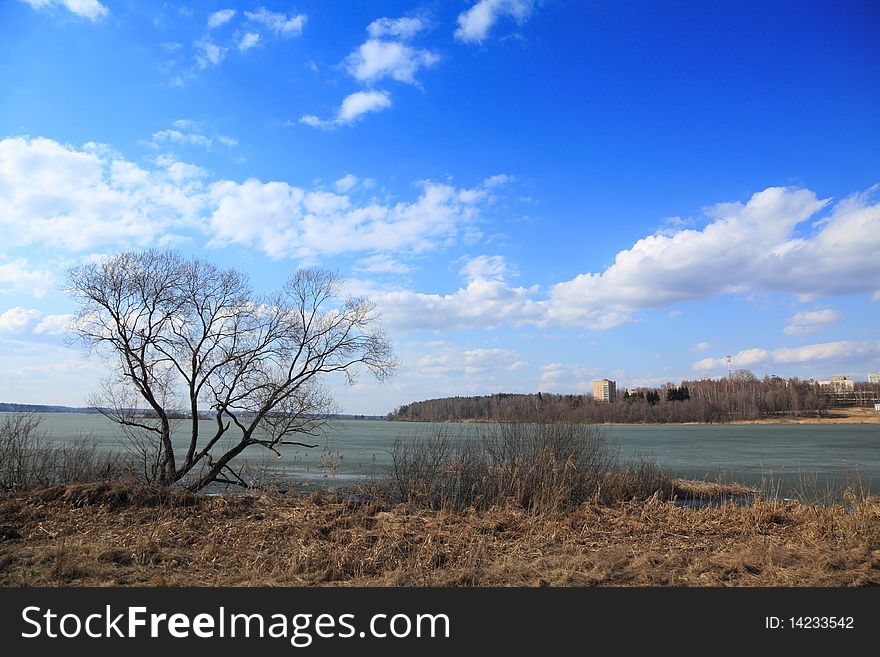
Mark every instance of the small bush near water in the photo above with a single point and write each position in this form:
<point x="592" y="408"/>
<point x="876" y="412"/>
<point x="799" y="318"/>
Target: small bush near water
<point x="536" y="466"/>
<point x="27" y="462"/>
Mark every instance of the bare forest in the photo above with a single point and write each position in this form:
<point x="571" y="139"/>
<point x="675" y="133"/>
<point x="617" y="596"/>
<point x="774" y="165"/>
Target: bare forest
<point x="738" y="397"/>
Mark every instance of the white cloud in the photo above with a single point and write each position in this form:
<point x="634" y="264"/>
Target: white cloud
<point x="283" y="220"/>
<point x="400" y="28"/>
<point x="52" y="194"/>
<point x="498" y="179"/>
<point x="483" y="304"/>
<point x="702" y="346"/>
<point x="362" y="102"/>
<point x="346" y="183"/>
<point x="91" y="9"/>
<point x="382" y="264"/>
<point x="90" y="198"/>
<point x="492" y="268"/>
<point x="53" y="325"/>
<point x="17" y="319"/>
<point x="479" y="370"/>
<point x="674" y="313"/>
<point x="248" y="41"/>
<point x="475" y="23"/>
<point x="793" y="355"/>
<point x="209" y="53"/>
<point x="86" y="199"/>
<point x="744" y="247"/>
<point x="221" y="17"/>
<point x="185" y="124"/>
<point x="376" y="59"/>
<point x="737" y="251"/>
<point x="811" y="322"/>
<point x="16" y="277"/>
<point x="186" y="131"/>
<point x="745" y="358"/>
<point x="281" y="24"/>
<point x="353" y="107"/>
<point x="564" y="378"/>
<point x="180" y="137"/>
<point x="825" y="351"/>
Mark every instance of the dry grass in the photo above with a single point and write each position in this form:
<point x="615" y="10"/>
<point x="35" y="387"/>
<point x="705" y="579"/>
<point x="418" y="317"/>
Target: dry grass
<point x="835" y="415"/>
<point x="99" y="535"/>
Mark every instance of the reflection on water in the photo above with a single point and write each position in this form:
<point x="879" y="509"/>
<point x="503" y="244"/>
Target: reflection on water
<point x="782" y="460"/>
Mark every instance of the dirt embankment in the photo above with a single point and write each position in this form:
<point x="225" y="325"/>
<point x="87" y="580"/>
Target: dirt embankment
<point x="89" y="535"/>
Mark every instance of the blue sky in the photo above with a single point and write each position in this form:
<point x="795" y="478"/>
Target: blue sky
<point x="535" y="193"/>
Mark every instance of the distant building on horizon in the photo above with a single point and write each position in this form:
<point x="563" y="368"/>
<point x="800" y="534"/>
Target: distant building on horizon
<point x="839" y="383"/>
<point x="605" y="390"/>
<point x="873" y="377"/>
<point x="842" y="383"/>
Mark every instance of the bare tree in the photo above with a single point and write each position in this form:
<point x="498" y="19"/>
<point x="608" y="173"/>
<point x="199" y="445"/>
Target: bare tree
<point x="192" y="340"/>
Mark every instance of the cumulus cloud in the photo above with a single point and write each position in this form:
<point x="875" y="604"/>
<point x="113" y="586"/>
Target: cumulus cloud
<point x="52" y="194"/>
<point x="219" y="18"/>
<point x="20" y="320"/>
<point x="54" y="325"/>
<point x="498" y="179"/>
<point x="16" y="277"/>
<point x="446" y="360"/>
<point x="745" y="358"/>
<point x="475" y="23"/>
<point x="209" y="53"/>
<point x="280" y="24"/>
<point x="745" y="247"/>
<point x="17" y="319"/>
<point x="185" y="131"/>
<point x="83" y="199"/>
<point x="810" y="322"/>
<point x="483" y="303"/>
<point x="398" y="28"/>
<point x="377" y="59"/>
<point x="702" y="346"/>
<point x="360" y="103"/>
<point x="493" y="268"/>
<point x="91" y="9"/>
<point x="283" y="220"/>
<point x="384" y="55"/>
<point x="382" y="264"/>
<point x="353" y="107"/>
<point x="248" y="41"/>
<point x="561" y="377"/>
<point x="346" y="183"/>
<point x="91" y="197"/>
<point x="841" y="350"/>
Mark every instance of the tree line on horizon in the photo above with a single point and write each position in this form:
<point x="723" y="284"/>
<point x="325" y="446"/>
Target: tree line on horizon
<point x="741" y="396"/>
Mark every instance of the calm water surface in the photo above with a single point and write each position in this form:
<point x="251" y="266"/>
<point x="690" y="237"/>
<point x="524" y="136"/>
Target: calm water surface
<point x="781" y="458"/>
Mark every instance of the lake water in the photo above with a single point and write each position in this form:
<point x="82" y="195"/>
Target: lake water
<point x="782" y="458"/>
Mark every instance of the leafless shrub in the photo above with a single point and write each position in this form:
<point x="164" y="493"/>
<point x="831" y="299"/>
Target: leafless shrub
<point x="27" y="461"/>
<point x="535" y="466"/>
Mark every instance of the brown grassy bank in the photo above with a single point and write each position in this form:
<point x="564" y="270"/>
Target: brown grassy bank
<point x="107" y="534"/>
<point x="836" y="415"/>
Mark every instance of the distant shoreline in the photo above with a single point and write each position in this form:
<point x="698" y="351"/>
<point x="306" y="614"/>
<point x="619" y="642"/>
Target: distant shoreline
<point x="848" y="415"/>
<point x="836" y="416"/>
